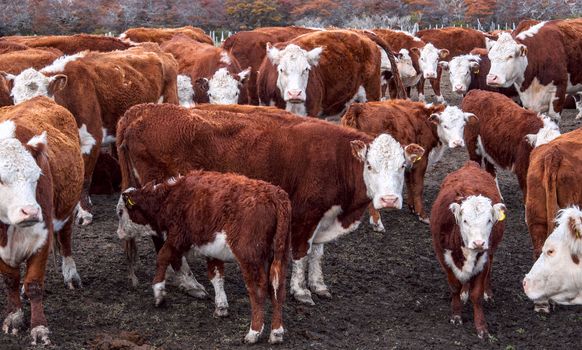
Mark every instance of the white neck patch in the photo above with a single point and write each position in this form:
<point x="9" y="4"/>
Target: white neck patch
<point x="58" y="66"/>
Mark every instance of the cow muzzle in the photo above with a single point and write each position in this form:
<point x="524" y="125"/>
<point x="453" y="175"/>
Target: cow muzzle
<point x="494" y="80"/>
<point x="478" y="245"/>
<point x="459" y="89"/>
<point x="430" y="75"/>
<point x="457" y="143"/>
<point x="389" y="201"/>
<point x="295" y="96"/>
<point x="28" y="216"/>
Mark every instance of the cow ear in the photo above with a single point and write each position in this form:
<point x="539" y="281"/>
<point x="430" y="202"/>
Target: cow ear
<point x="443" y="53"/>
<point x="434" y="118"/>
<point x="469" y="116"/>
<point x="455" y="208"/>
<point x="202" y="84"/>
<point x="314" y="55"/>
<point x="359" y="150"/>
<point x="57" y="83"/>
<point x="522" y="50"/>
<point x="489" y="43"/>
<point x="444" y="65"/>
<point x="574" y="228"/>
<point x="413" y="153"/>
<point x="7" y="76"/>
<point x="37" y="144"/>
<point x="531" y="139"/>
<point x="499" y="211"/>
<point x="244" y="75"/>
<point x="274" y="54"/>
<point x="474" y="66"/>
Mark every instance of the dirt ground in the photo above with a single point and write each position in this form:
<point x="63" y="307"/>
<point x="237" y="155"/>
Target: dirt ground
<point x="388" y="291"/>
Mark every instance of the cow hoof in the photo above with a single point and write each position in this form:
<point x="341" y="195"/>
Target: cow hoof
<point x="482" y="334"/>
<point x="488" y="297"/>
<point x="221" y="312"/>
<point x="133" y="280"/>
<point x="304" y="298"/>
<point x="159" y="293"/>
<point x="276" y="336"/>
<point x="322" y="293"/>
<point x="252" y="337"/>
<point x="457" y="320"/>
<point x="379" y="227"/>
<point x="424" y="220"/>
<point x="39" y="335"/>
<point x="13" y="322"/>
<point x="464" y="296"/>
<point x="542" y="307"/>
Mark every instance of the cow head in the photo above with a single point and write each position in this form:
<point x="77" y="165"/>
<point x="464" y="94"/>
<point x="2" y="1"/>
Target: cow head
<point x="127" y="227"/>
<point x="225" y="87"/>
<point x="476" y="216"/>
<point x="450" y="125"/>
<point x="19" y="175"/>
<point x="293" y="66"/>
<point x="508" y="62"/>
<point x="384" y="163"/>
<point x="557" y="273"/>
<point x="461" y="69"/>
<point x="405" y="67"/>
<point x="185" y="91"/>
<point x="547" y="133"/>
<point x="31" y="83"/>
<point x="429" y="59"/>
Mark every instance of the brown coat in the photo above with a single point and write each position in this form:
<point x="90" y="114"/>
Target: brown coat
<point x="160" y="35"/>
<point x="71" y="44"/>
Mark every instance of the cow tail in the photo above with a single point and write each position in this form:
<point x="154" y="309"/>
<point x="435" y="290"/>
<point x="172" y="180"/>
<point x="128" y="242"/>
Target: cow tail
<point x="281" y="244"/>
<point x="551" y="165"/>
<point x="400" y="90"/>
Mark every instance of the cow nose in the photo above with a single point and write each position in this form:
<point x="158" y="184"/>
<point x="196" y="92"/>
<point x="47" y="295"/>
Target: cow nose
<point x="459" y="88"/>
<point x="492" y="78"/>
<point x="430" y="75"/>
<point x="478" y="244"/>
<point x="389" y="201"/>
<point x="294" y="94"/>
<point x="457" y="143"/>
<point x="30" y="213"/>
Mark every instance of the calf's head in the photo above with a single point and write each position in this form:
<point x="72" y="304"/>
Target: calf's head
<point x="508" y="62"/>
<point x="405" y="66"/>
<point x="476" y="216"/>
<point x="429" y="59"/>
<point x="31" y="83"/>
<point x="132" y="223"/>
<point x="384" y="163"/>
<point x="19" y="175"/>
<point x="293" y="66"/>
<point x="226" y="88"/>
<point x="185" y="91"/>
<point x="450" y="125"/>
<point x="557" y="273"/>
<point x="461" y="68"/>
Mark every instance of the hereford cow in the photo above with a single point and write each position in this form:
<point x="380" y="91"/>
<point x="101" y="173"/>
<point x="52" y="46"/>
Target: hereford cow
<point x="224" y="217"/>
<point x="433" y="127"/>
<point x="364" y="168"/>
<point x="450" y="41"/>
<point x="249" y="48"/>
<point x="160" y="35"/>
<point x="542" y="76"/>
<point x="71" y="44"/>
<point x="556" y="275"/>
<point x="322" y="73"/>
<point x="98" y="88"/>
<point x="466" y="229"/>
<point x="8" y="46"/>
<point x="216" y="74"/>
<point x="504" y="134"/>
<point x="42" y="176"/>
<point x="15" y="62"/>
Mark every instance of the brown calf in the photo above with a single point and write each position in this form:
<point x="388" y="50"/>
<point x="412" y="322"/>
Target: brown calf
<point x="160" y="35"/>
<point x="225" y="217"/>
<point x="71" y="44"/>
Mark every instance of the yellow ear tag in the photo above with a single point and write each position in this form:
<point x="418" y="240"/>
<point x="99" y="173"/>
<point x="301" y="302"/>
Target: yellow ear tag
<point x="577" y="234"/>
<point x="501" y="216"/>
<point x="417" y="159"/>
<point x="477" y="72"/>
<point x="130" y="202"/>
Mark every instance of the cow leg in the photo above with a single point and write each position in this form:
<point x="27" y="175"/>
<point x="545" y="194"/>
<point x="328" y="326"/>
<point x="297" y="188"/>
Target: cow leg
<point x="277" y="293"/>
<point x="166" y="256"/>
<point x="184" y="279"/>
<point x="436" y="86"/>
<point x="375" y="219"/>
<point x="455" y="287"/>
<point x="34" y="287"/>
<point x="477" y="289"/>
<point x="409" y="195"/>
<point x="130" y="247"/>
<point x="578" y="98"/>
<point x="420" y="89"/>
<point x="216" y="277"/>
<point x="300" y="244"/>
<point x="256" y="279"/>
<point x="69" y="268"/>
<point x="315" y="273"/>
<point x="488" y="290"/>
<point x="14" y="319"/>
<point x="298" y="289"/>
<point x="417" y="185"/>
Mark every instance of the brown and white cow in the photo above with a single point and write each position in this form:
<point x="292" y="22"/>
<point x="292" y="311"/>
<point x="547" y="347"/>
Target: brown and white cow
<point x="223" y="217"/>
<point x="364" y="168"/>
<point x="433" y="127"/>
<point x="320" y="74"/>
<point x="542" y="63"/>
<point x="160" y="35"/>
<point x="249" y="48"/>
<point x="14" y="62"/>
<point x="504" y="134"/>
<point x="71" y="44"/>
<point x="98" y="88"/>
<point x="467" y="227"/>
<point x="557" y="275"/>
<point x="215" y="75"/>
<point x="41" y="173"/>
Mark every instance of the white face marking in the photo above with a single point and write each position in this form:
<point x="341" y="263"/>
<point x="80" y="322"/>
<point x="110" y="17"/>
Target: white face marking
<point x="293" y="66"/>
<point x="126" y="228"/>
<point x="451" y="126"/>
<point x="22" y="243"/>
<point x="330" y="228"/>
<point x="555" y="276"/>
<point x="385" y="65"/>
<point x="28" y="84"/>
<point x="223" y="88"/>
<point x="460" y="70"/>
<point x="533" y="30"/>
<point x="185" y="91"/>
<point x="86" y="139"/>
<point x="508" y="62"/>
<point x="428" y="61"/>
<point x="405" y="67"/>
<point x="217" y="249"/>
<point x="19" y="176"/>
<point x="471" y="266"/>
<point x="476" y="217"/>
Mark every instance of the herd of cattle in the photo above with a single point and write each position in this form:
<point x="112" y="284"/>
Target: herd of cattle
<point x="213" y="152"/>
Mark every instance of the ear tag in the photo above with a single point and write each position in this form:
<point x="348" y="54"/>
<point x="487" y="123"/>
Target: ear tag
<point x="417" y="159"/>
<point x="477" y="72"/>
<point x="502" y="216"/>
<point x="130" y="202"/>
<point x="578" y="234"/>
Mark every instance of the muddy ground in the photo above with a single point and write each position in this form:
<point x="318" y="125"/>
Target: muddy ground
<point x="388" y="291"/>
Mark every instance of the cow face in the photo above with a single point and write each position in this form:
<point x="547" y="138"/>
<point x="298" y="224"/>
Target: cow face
<point x="429" y="59"/>
<point x="508" y="62"/>
<point x="185" y="91"/>
<point x="127" y="228"/>
<point x="19" y="175"/>
<point x="225" y="87"/>
<point x="461" y="69"/>
<point x="557" y="273"/>
<point x="405" y="67"/>
<point x="476" y="217"/>
<point x="31" y="83"/>
<point x="547" y="133"/>
<point x="293" y="66"/>
<point x="451" y="125"/>
<point x="384" y="163"/>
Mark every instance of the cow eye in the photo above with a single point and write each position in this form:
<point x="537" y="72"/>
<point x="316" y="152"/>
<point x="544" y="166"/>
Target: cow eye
<point x="550" y="252"/>
<point x="369" y="167"/>
<point x="465" y="222"/>
<point x="446" y="127"/>
<point x="280" y="70"/>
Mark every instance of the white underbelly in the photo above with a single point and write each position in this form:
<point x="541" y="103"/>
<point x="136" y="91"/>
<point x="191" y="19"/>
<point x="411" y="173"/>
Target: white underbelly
<point x="217" y="249"/>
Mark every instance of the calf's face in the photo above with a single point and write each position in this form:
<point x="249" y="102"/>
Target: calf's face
<point x="429" y="59"/>
<point x="405" y="66"/>
<point x="185" y="91"/>
<point x="31" y="83"/>
<point x="461" y="69"/>
<point x="127" y="227"/>
<point x="508" y="62"/>
<point x="384" y="163"/>
<point x="225" y="87"/>
<point x="19" y="175"/>
<point x="476" y="217"/>
<point x="293" y="66"/>
<point x="557" y="273"/>
<point x="451" y="125"/>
